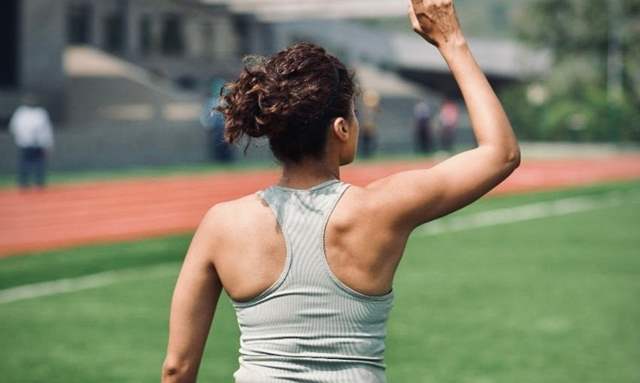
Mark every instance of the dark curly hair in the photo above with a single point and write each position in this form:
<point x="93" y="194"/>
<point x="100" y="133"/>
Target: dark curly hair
<point x="291" y="98"/>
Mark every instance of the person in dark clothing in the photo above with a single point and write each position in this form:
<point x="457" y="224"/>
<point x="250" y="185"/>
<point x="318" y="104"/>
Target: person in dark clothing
<point x="422" y="127"/>
<point x="213" y="122"/>
<point x="221" y="149"/>
<point x="368" y="134"/>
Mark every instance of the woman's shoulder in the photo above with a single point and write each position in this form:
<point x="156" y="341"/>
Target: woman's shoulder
<point x="362" y="198"/>
<point x="235" y="215"/>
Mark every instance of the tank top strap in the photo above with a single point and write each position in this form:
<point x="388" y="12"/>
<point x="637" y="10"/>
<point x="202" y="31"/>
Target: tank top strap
<point x="302" y="215"/>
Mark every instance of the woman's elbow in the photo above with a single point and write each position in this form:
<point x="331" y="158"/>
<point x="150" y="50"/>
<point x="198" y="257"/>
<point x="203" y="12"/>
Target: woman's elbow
<point x="505" y="157"/>
<point x="514" y="158"/>
<point x="169" y="373"/>
<point x="176" y="373"/>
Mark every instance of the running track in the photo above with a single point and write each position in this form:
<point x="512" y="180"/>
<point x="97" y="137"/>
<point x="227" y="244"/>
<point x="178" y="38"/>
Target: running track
<point x="106" y="211"/>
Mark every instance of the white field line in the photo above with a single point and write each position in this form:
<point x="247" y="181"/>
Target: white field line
<point x="483" y="219"/>
<point x="68" y="285"/>
<point x="527" y="212"/>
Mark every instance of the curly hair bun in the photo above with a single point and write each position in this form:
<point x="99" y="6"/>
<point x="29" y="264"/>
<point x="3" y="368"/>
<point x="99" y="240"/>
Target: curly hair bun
<point x="290" y="94"/>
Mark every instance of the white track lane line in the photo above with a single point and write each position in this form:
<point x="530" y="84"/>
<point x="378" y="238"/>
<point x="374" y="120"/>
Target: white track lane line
<point x="68" y="285"/>
<point x="444" y="225"/>
<point x="527" y="212"/>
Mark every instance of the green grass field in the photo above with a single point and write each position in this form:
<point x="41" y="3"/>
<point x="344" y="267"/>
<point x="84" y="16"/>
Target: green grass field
<point x="545" y="300"/>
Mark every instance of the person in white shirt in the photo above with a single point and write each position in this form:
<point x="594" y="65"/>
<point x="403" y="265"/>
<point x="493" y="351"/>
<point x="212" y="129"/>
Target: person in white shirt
<point x="33" y="134"/>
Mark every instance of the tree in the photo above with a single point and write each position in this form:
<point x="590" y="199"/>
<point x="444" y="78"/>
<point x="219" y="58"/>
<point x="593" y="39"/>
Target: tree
<point x="593" y="43"/>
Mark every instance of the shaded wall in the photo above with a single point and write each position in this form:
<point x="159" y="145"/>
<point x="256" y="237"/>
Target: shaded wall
<point x="116" y="146"/>
<point x="42" y="42"/>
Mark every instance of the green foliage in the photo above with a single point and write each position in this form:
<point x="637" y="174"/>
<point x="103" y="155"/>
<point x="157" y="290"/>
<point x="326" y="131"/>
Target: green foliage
<point x="568" y="26"/>
<point x="577" y="106"/>
<point x="587" y="116"/>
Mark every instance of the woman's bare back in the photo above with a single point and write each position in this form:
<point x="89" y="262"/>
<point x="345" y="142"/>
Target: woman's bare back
<point x="360" y="250"/>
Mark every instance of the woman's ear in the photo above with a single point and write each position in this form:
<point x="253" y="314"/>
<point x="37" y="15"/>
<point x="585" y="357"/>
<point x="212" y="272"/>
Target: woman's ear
<point x="341" y="129"/>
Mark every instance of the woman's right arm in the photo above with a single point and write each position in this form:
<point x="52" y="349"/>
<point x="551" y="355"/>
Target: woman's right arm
<point x="412" y="198"/>
<point x="194" y="302"/>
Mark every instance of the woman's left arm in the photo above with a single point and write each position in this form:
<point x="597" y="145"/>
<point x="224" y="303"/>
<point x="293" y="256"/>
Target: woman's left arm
<point x="193" y="305"/>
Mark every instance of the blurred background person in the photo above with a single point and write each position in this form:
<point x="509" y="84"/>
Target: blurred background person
<point x="449" y="116"/>
<point x="217" y="148"/>
<point x="32" y="132"/>
<point x="371" y="109"/>
<point x="423" y="115"/>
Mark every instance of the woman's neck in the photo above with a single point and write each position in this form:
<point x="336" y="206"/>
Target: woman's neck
<point x="308" y="173"/>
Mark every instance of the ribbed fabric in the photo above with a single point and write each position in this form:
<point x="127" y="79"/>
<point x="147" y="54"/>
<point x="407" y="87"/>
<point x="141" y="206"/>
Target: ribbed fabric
<point x="309" y="326"/>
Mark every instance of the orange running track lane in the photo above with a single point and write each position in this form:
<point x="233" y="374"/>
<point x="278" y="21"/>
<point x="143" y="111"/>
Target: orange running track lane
<point x="107" y="211"/>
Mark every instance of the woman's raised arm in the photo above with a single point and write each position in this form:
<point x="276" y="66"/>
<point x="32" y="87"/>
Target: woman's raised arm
<point x="414" y="197"/>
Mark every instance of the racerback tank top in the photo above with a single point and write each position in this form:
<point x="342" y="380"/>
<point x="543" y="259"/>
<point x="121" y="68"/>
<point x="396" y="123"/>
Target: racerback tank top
<point x="309" y="326"/>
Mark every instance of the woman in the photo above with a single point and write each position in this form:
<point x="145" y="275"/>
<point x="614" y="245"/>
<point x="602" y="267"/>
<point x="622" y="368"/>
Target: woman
<point x="309" y="262"/>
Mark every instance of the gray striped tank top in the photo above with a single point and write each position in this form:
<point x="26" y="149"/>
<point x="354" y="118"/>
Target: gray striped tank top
<point x="309" y="326"/>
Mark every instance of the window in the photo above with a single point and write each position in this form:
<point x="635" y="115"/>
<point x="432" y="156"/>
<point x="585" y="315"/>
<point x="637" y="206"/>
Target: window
<point x="114" y="32"/>
<point x="208" y="40"/>
<point x="173" y="35"/>
<point x="79" y="23"/>
<point x="146" y="35"/>
<point x="9" y="26"/>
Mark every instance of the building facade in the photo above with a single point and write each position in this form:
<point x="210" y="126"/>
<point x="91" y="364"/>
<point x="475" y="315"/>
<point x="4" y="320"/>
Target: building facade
<point x="32" y="57"/>
<point x="186" y="42"/>
<point x="124" y="80"/>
